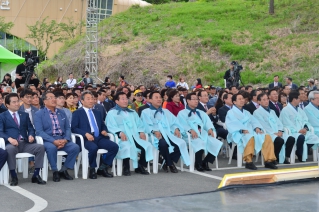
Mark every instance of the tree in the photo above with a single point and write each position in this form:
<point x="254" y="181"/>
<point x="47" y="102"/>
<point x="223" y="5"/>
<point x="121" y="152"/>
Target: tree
<point x="71" y="29"/>
<point x="271" y="7"/>
<point x="5" y="27"/>
<point x="43" y="34"/>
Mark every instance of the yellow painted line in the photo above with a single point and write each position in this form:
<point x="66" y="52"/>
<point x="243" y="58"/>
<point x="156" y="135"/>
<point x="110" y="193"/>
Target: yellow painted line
<point x="266" y="172"/>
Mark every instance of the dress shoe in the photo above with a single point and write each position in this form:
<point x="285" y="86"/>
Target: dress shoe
<point x="275" y="162"/>
<point x="205" y="166"/>
<point x="37" y="179"/>
<point x="104" y="173"/>
<point x="126" y="171"/>
<point x="199" y="167"/>
<point x="14" y="181"/>
<point x="141" y="170"/>
<point x="173" y="168"/>
<point x="251" y="166"/>
<point x="299" y="158"/>
<point x="270" y="165"/>
<point x="165" y="168"/>
<point x="65" y="175"/>
<point x="286" y="161"/>
<point x="92" y="174"/>
<point x="56" y="176"/>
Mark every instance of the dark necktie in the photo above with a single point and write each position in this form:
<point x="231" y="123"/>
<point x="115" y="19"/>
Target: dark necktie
<point x="15" y="119"/>
<point x="193" y="111"/>
<point x="205" y="106"/>
<point x="17" y="123"/>
<point x="277" y="107"/>
<point x="301" y="105"/>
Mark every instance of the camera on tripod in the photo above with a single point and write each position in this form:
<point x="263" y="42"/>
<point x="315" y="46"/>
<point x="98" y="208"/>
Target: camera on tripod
<point x="30" y="62"/>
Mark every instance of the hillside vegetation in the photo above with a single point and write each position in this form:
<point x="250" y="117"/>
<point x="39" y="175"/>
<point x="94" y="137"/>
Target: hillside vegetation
<point x="199" y="39"/>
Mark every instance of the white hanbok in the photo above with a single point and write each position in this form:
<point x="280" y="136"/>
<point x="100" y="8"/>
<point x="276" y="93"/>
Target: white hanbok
<point x="271" y="125"/>
<point x="295" y="121"/>
<point x="237" y="120"/>
<point x="204" y="141"/>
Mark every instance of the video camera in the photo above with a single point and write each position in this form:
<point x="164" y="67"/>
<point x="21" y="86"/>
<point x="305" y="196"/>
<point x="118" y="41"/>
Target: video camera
<point x="30" y="62"/>
<point x="237" y="67"/>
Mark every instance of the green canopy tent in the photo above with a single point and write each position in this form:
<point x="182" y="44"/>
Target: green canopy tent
<point x="8" y="57"/>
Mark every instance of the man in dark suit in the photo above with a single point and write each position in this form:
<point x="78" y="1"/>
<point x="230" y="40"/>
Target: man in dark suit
<point x="104" y="101"/>
<point x="253" y="104"/>
<point x="275" y="83"/>
<point x="17" y="131"/>
<point x="53" y="126"/>
<point x="26" y="97"/>
<point x="303" y="98"/>
<point x="89" y="124"/>
<point x="97" y="106"/>
<point x="273" y="101"/>
<point x="290" y="84"/>
<point x="222" y="112"/>
<point x="146" y="96"/>
<point x="211" y="112"/>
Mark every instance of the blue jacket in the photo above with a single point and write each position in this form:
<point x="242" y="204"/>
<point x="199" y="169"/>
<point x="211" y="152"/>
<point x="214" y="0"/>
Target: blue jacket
<point x="8" y="128"/>
<point x="81" y="125"/>
<point x="43" y="125"/>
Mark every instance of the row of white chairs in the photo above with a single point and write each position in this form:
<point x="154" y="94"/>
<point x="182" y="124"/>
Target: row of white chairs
<point x="22" y="160"/>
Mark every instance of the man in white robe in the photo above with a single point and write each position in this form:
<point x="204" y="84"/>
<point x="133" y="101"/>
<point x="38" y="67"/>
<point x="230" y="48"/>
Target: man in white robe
<point x="271" y="124"/>
<point x="202" y="131"/>
<point x="295" y="119"/>
<point x="167" y="133"/>
<point x="312" y="110"/>
<point x="247" y="133"/>
<point x="126" y="124"/>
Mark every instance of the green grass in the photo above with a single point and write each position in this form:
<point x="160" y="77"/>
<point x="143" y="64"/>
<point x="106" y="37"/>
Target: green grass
<point x="239" y="29"/>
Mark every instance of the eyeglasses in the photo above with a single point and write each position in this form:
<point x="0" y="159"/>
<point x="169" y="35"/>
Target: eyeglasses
<point x="139" y="94"/>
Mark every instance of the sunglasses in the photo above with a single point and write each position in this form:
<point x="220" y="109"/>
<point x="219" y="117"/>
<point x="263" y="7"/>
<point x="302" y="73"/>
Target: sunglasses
<point x="139" y="94"/>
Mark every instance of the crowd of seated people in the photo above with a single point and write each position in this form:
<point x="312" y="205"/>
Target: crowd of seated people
<point x="253" y="119"/>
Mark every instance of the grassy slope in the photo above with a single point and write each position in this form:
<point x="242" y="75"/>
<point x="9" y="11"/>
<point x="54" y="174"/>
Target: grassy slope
<point x="285" y="43"/>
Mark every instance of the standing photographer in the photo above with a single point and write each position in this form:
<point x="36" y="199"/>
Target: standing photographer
<point x="20" y="79"/>
<point x="232" y="75"/>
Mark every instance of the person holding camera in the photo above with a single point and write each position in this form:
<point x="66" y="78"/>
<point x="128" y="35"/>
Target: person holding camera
<point x="231" y="75"/>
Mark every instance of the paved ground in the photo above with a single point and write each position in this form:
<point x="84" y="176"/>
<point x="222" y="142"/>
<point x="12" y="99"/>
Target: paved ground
<point x="146" y="193"/>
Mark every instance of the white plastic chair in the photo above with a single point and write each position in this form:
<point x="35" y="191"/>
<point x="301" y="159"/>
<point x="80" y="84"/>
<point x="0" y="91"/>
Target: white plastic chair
<point x="293" y="154"/>
<point x="4" y="173"/>
<point x="119" y="162"/>
<point x="83" y="156"/>
<point x="23" y="164"/>
<point x="59" y="161"/>
<point x="192" y="154"/>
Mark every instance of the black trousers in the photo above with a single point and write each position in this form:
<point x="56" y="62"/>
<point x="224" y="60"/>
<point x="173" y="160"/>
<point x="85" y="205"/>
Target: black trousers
<point x="289" y="145"/>
<point x="221" y="132"/>
<point x="3" y="157"/>
<point x="199" y="155"/>
<point x="169" y="157"/>
<point x="278" y="142"/>
<point x="300" y="142"/>
<point x="142" y="160"/>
